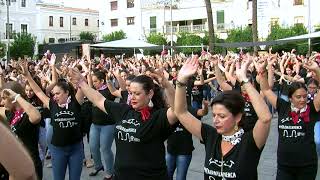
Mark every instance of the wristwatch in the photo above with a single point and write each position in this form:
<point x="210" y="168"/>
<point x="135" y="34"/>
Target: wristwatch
<point x="244" y="81"/>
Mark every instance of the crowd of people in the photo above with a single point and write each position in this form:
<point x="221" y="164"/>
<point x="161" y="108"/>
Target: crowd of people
<point x="151" y="107"/>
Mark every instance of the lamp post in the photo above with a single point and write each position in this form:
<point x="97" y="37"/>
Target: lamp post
<point x="309" y="27"/>
<point x="7" y="27"/>
<point x="171" y="44"/>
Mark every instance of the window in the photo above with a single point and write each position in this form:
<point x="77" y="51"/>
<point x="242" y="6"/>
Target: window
<point x="23" y="3"/>
<point x="297" y="2"/>
<point x="74" y="21"/>
<point x="61" y="21"/>
<point x="130" y="20"/>
<point x="50" y="20"/>
<point x="86" y="22"/>
<point x="114" y="22"/>
<point x="114" y="5"/>
<point x="130" y="3"/>
<point x="153" y="22"/>
<point x="9" y="31"/>
<point x="24" y="28"/>
<point x="274" y="21"/>
<point x="299" y="20"/>
<point x="52" y="40"/>
<point x="220" y="19"/>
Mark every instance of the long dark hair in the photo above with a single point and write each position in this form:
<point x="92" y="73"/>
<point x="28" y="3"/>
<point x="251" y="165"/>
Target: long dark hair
<point x="147" y="85"/>
<point x="65" y="86"/>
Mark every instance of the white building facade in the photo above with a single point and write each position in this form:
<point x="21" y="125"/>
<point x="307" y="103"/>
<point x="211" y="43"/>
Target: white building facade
<point x="22" y="15"/>
<point x="190" y="16"/>
<point x="56" y="23"/>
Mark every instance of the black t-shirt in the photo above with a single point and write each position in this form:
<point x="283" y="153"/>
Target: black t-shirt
<point x="284" y="87"/>
<point x="66" y="123"/>
<point x="124" y="97"/>
<point x="98" y="116"/>
<point x="140" y="151"/>
<point x="86" y="116"/>
<point x="28" y="133"/>
<point x="239" y="163"/>
<point x="250" y="118"/>
<point x="180" y="141"/>
<point x="296" y="145"/>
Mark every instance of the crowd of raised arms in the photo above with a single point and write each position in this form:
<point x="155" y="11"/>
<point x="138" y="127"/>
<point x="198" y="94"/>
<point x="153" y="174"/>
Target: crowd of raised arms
<point x="151" y="107"/>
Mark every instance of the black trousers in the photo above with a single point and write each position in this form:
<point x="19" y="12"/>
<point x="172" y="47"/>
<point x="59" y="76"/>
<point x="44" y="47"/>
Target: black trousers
<point x="297" y="173"/>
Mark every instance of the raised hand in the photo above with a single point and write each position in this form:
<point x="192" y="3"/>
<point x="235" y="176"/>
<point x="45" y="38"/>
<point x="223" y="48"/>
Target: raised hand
<point x="9" y="93"/>
<point x="52" y="60"/>
<point x="188" y="69"/>
<point x="311" y="65"/>
<point x="75" y="76"/>
<point x="24" y="68"/>
<point x="241" y="70"/>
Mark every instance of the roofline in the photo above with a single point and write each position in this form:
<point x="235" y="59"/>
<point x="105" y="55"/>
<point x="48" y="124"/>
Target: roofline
<point x="64" y="8"/>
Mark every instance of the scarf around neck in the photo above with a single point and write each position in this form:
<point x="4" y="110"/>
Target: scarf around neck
<point x="145" y="113"/>
<point x="18" y="114"/>
<point x="65" y="105"/>
<point x="235" y="138"/>
<point x="300" y="113"/>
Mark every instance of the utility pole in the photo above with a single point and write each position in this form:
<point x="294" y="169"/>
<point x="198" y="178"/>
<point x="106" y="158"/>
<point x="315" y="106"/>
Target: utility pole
<point x="171" y="29"/>
<point x="309" y="27"/>
<point x="8" y="31"/>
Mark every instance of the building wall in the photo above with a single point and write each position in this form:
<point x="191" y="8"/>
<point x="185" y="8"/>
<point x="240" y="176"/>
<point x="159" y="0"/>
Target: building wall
<point x="68" y="31"/>
<point x="237" y="13"/>
<point x="18" y="15"/>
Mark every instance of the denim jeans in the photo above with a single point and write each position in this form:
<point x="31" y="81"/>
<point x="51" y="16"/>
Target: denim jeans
<point x="42" y="143"/>
<point x="70" y="157"/>
<point x="317" y="136"/>
<point x="284" y="97"/>
<point x="179" y="162"/>
<point x="101" y="137"/>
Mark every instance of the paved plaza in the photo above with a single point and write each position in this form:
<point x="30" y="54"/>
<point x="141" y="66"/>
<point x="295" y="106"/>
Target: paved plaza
<point x="266" y="169"/>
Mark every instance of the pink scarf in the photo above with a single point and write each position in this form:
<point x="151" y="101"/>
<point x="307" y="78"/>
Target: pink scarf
<point x="17" y="117"/>
<point x="65" y="105"/>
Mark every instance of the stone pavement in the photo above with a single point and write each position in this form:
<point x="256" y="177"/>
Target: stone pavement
<point x="266" y="169"/>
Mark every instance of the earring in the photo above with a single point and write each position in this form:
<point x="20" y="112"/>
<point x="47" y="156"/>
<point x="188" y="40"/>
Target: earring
<point x="150" y="103"/>
<point x="236" y="128"/>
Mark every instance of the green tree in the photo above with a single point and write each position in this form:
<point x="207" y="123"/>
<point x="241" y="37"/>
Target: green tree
<point x="240" y="35"/>
<point x="278" y="32"/>
<point x="216" y="49"/>
<point x="87" y="36"/>
<point x="2" y="50"/>
<point x="186" y="39"/>
<point x="316" y="42"/>
<point x="211" y="37"/>
<point x="156" y="38"/>
<point x="116" y="35"/>
<point x="23" y="45"/>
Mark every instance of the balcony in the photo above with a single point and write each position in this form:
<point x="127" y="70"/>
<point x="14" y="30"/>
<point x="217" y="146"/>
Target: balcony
<point x="189" y="29"/>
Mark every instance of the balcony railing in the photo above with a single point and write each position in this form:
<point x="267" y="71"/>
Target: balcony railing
<point x="190" y="29"/>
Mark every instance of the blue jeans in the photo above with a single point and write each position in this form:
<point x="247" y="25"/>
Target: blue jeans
<point x="317" y="136"/>
<point x="284" y="97"/>
<point x="42" y="143"/>
<point x="196" y="105"/>
<point x="102" y="137"/>
<point x="70" y="156"/>
<point x="179" y="162"/>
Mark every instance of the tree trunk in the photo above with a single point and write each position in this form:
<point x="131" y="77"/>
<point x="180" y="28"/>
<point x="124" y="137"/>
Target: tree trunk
<point x="254" y="25"/>
<point x="210" y="25"/>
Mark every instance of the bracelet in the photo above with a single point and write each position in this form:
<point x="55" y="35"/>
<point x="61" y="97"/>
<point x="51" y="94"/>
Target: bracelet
<point x="16" y="98"/>
<point x="180" y="84"/>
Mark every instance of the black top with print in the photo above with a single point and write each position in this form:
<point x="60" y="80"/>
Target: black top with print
<point x="66" y="123"/>
<point x="140" y="152"/>
<point x="98" y="116"/>
<point x="296" y="145"/>
<point x="28" y="133"/>
<point x="239" y="163"/>
<point x="180" y="141"/>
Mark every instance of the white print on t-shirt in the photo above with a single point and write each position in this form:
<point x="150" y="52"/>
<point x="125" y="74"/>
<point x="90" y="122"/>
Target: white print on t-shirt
<point x="291" y="131"/>
<point x="127" y="134"/>
<point x="219" y="163"/>
<point x="131" y="121"/>
<point x="178" y="129"/>
<point x="66" y="122"/>
<point x="219" y="174"/>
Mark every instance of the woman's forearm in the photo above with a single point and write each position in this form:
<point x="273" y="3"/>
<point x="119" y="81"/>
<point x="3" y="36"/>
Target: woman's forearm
<point x="14" y="157"/>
